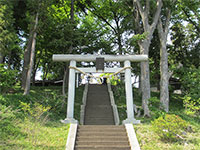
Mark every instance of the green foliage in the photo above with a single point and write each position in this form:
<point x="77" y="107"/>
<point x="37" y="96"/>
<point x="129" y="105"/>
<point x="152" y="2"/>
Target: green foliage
<point x="138" y="37"/>
<point x="191" y="88"/>
<point x="192" y="106"/>
<point x="112" y="79"/>
<point x="155" y="108"/>
<point x="34" y="119"/>
<point x="169" y="127"/>
<point x="7" y="78"/>
<point x="27" y="123"/>
<point x="36" y="111"/>
<point x="7" y="122"/>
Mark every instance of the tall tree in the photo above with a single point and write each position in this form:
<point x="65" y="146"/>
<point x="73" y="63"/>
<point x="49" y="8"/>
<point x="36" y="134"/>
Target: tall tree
<point x="111" y="13"/>
<point x="66" y="68"/>
<point x="163" y="30"/>
<point x="148" y="26"/>
<point x="32" y="52"/>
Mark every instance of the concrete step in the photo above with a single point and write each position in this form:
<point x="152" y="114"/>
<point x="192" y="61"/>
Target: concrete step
<point x="104" y="119"/>
<point x="100" y="101"/>
<point x="105" y="143"/>
<point x="98" y="110"/>
<point x="98" y="123"/>
<point x="94" y="128"/>
<point x="102" y="131"/>
<point x="101" y="138"/>
<point x="99" y="147"/>
<point x="96" y="133"/>
<point x="101" y="126"/>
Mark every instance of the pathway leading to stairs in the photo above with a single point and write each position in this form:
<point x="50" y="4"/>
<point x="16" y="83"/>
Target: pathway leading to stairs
<point x="99" y="131"/>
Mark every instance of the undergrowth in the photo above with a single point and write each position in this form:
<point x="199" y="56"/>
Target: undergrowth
<point x="33" y="121"/>
<point x="149" y="139"/>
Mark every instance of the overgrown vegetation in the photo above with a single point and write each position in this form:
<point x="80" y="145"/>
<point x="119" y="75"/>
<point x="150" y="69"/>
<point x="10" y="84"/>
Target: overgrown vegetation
<point x="191" y="89"/>
<point x="7" y="78"/>
<point x="162" y="131"/>
<point x="169" y="127"/>
<point x="33" y="122"/>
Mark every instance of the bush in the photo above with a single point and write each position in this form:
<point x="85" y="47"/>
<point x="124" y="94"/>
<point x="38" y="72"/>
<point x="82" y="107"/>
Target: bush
<point x="35" y="117"/>
<point x="191" y="105"/>
<point x="169" y="127"/>
<point x="156" y="108"/>
<point x="7" y="78"/>
<point x="191" y="87"/>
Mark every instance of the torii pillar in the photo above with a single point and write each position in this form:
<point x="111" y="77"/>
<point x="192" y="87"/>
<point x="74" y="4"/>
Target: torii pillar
<point x="127" y="59"/>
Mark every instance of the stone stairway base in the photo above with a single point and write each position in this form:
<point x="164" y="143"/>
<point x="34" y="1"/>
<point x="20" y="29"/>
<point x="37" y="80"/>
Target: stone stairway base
<point x="101" y="137"/>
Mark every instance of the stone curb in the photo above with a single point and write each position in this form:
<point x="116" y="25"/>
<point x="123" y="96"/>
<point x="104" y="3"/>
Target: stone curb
<point x="114" y="106"/>
<point x="82" y="113"/>
<point x="71" y="136"/>
<point x="132" y="137"/>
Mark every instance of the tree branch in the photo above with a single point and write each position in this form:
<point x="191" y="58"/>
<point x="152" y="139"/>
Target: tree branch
<point x="160" y="28"/>
<point x="166" y="30"/>
<point x="147" y="7"/>
<point x="102" y="18"/>
<point x="156" y="16"/>
<point x="190" y="20"/>
<point x="143" y="14"/>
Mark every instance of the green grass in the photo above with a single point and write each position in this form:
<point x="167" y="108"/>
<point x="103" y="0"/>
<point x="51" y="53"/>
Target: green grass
<point x="35" y="136"/>
<point x="150" y="141"/>
<point x="19" y="130"/>
<point x="147" y="138"/>
<point x="23" y="130"/>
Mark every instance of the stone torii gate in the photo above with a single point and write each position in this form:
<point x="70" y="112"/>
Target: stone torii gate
<point x="127" y="59"/>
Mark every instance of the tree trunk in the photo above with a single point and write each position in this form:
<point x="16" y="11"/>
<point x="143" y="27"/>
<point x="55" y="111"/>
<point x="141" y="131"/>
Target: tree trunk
<point x="66" y="70"/>
<point x="144" y="45"/>
<point x="1" y="58"/>
<point x="145" y="78"/>
<point x="32" y="55"/>
<point x="164" y="73"/>
<point x="27" y="53"/>
<point x="65" y="79"/>
<point x="36" y="65"/>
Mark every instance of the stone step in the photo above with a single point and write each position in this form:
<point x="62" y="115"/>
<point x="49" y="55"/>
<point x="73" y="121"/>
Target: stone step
<point x="101" y="130"/>
<point x="94" y="128"/>
<point x="103" y="112"/>
<point x="102" y="138"/>
<point x="102" y="126"/>
<point x="105" y="143"/>
<point x="98" y="123"/>
<point x="105" y="118"/>
<point x="98" y="110"/>
<point x="96" y="133"/>
<point x="100" y="147"/>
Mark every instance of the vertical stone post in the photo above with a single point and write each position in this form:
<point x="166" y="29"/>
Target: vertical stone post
<point x="129" y="95"/>
<point x="71" y="93"/>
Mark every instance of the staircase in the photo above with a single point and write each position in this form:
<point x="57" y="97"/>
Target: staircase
<point x="99" y="131"/>
<point x="98" y="109"/>
<point x="101" y="137"/>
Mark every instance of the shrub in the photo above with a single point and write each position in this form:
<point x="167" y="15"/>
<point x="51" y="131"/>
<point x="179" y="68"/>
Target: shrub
<point x="7" y="78"/>
<point x="34" y="119"/>
<point x="155" y="107"/>
<point x="191" y="87"/>
<point x="191" y="105"/>
<point x="169" y="127"/>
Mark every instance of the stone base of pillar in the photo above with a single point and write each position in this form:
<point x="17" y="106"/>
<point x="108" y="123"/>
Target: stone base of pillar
<point x="69" y="120"/>
<point x="132" y="121"/>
